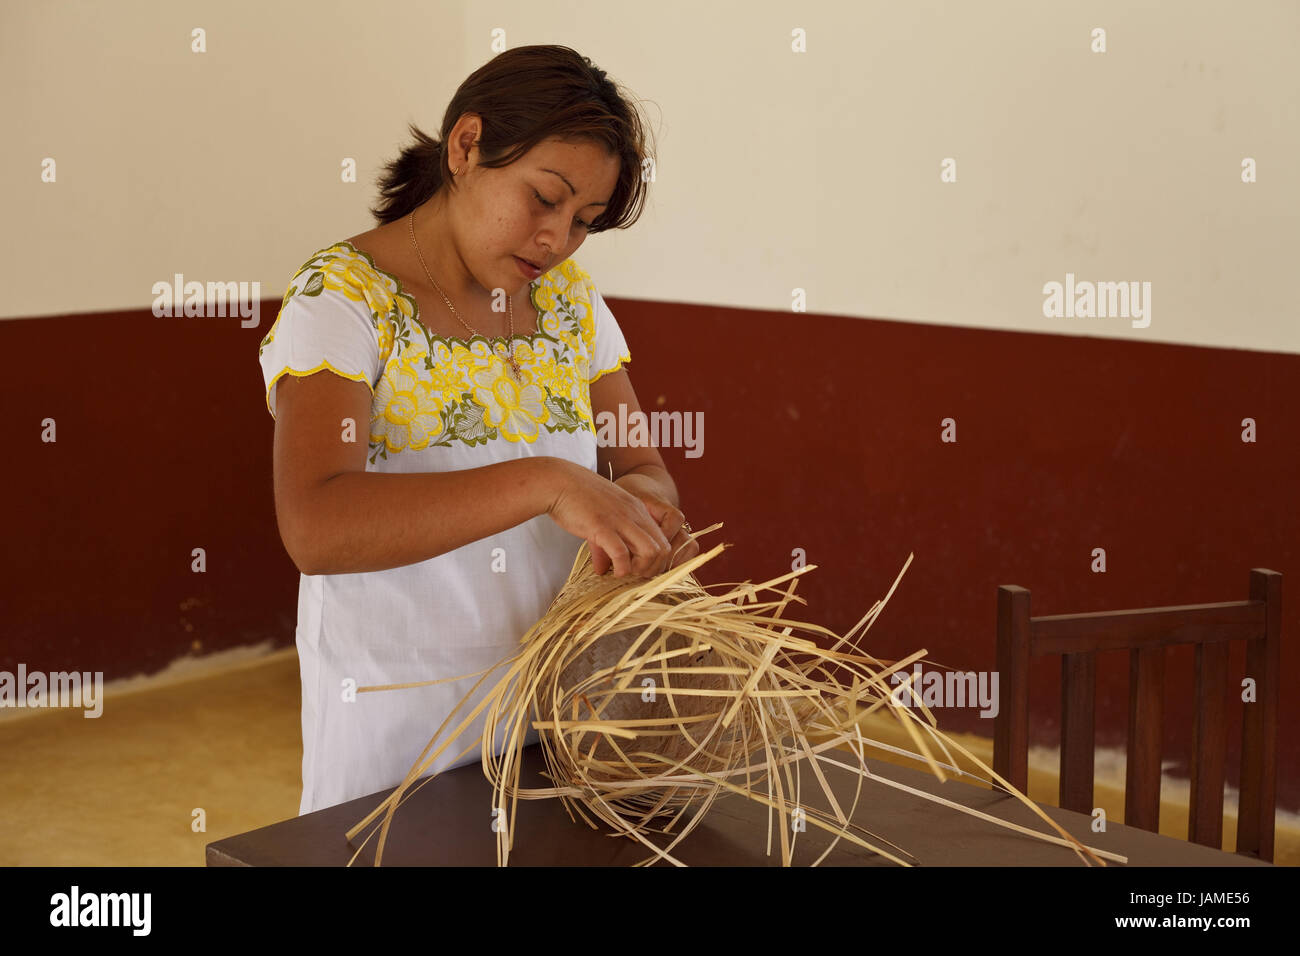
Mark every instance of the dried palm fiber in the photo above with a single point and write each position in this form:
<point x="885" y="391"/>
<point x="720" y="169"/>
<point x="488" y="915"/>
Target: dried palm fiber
<point x="654" y="696"/>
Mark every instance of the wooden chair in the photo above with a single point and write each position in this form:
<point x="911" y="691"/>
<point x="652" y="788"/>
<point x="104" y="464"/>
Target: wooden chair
<point x="1146" y="633"/>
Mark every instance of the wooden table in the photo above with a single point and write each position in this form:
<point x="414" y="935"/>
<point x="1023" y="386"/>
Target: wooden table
<point x="448" y="823"/>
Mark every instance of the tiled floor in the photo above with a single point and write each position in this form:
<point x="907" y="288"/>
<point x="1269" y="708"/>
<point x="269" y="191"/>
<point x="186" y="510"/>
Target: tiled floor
<point x="124" y="789"/>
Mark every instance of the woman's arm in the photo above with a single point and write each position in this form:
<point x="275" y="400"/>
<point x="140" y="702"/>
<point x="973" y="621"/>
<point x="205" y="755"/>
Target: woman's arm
<point x="641" y="469"/>
<point x="337" y="518"/>
<point x="607" y="393"/>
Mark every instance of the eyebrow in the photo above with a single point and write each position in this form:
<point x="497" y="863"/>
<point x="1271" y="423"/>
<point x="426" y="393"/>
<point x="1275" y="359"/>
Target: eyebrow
<point x="571" y="189"/>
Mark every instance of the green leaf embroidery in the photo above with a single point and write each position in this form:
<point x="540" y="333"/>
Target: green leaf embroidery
<point x="468" y="423"/>
<point x="315" y="284"/>
<point x="563" y="411"/>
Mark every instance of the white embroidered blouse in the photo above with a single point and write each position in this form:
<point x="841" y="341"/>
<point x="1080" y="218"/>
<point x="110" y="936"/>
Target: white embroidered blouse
<point x="439" y="404"/>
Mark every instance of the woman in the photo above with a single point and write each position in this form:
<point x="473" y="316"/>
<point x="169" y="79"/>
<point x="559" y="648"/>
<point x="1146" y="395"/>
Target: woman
<point x="434" y="383"/>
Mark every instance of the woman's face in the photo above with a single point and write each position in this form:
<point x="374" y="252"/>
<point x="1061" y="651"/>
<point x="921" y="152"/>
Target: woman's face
<point x="537" y="208"/>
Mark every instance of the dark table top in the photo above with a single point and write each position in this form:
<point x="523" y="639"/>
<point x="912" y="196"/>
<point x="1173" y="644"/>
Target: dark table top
<point x="448" y="822"/>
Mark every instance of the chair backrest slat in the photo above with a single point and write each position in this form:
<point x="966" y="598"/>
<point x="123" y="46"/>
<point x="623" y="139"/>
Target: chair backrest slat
<point x="1078" y="751"/>
<point x="1011" y="726"/>
<point x="1209" y="745"/>
<point x="1258" y="782"/>
<point x="1146" y="695"/>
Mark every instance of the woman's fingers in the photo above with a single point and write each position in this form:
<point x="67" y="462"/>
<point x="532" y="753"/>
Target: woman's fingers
<point x="648" y="554"/>
<point x="646" y="541"/>
<point x="634" y="543"/>
<point x="600" y="560"/>
<point x="684" y="548"/>
<point x="616" y="553"/>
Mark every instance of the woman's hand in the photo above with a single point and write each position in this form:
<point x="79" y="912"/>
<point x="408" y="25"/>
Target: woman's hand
<point x="617" y="524"/>
<point x="670" y="519"/>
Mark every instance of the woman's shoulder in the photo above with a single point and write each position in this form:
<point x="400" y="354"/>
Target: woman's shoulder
<point x="336" y="257"/>
<point x="345" y="273"/>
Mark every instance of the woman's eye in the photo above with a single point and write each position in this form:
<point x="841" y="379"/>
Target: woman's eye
<point x="551" y="205"/>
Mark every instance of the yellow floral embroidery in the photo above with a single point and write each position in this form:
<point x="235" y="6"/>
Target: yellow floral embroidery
<point x="547" y="373"/>
<point x="574" y="283"/>
<point x="477" y="356"/>
<point x="437" y="390"/>
<point x="513" y="407"/>
<point x="580" y="395"/>
<point x="345" y="270"/>
<point x="551" y="324"/>
<point x="461" y="357"/>
<point x="582" y="367"/>
<point x="441" y="352"/>
<point x="350" y="275"/>
<point x="407" y="415"/>
<point x="543" y="295"/>
<point x="527" y="353"/>
<point x="569" y="269"/>
<point x="565" y="381"/>
<point x="578" y="390"/>
<point x="405" y="305"/>
<point x="448" y="382"/>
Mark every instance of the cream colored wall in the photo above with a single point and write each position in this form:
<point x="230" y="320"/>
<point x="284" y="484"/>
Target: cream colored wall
<point x="223" y="165"/>
<point x="816" y="170"/>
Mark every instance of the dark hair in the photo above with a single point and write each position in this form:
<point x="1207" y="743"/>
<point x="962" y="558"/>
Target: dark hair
<point x="524" y="96"/>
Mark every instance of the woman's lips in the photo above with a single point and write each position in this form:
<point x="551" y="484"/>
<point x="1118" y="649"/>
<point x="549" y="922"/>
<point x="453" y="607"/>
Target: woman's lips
<point x="527" y="268"/>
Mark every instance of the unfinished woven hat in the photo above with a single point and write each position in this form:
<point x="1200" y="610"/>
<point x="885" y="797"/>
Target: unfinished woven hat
<point x="653" y="697"/>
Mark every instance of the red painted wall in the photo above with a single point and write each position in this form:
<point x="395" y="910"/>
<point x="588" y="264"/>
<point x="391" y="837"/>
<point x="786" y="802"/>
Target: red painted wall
<point x="821" y="433"/>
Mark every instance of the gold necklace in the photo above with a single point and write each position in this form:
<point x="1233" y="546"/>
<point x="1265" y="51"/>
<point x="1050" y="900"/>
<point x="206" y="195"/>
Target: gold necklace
<point x="510" y="355"/>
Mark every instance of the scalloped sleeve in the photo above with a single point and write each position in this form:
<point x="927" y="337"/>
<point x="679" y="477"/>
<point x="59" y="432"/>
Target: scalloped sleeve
<point x="326" y="331"/>
<point x="610" y="352"/>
